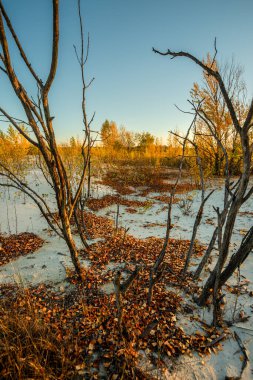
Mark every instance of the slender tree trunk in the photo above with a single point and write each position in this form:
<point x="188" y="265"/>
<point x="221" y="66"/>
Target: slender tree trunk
<point x="239" y="257"/>
<point x="72" y="247"/>
<point x="228" y="230"/>
<point x="81" y="229"/>
<point x="206" y="255"/>
<point x="89" y="178"/>
<point x="195" y="230"/>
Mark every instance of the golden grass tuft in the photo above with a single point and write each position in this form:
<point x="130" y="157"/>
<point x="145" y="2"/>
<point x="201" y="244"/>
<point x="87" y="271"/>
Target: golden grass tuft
<point x="29" y="348"/>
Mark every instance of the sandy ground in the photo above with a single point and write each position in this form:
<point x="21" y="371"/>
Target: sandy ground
<point x="49" y="263"/>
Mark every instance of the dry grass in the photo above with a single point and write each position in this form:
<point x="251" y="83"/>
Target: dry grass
<point x="29" y="348"/>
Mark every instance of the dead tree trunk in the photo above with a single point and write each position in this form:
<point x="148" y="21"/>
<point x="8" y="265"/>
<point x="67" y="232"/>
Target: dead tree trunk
<point x="40" y="120"/>
<point x="238" y="257"/>
<point x="206" y="255"/>
<point x="241" y="193"/>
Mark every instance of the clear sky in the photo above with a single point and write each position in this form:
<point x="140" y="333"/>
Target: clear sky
<point x="133" y="86"/>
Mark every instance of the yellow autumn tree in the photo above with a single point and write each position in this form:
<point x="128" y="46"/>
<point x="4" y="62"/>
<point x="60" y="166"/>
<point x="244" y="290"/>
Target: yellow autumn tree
<point x="14" y="149"/>
<point x="214" y="127"/>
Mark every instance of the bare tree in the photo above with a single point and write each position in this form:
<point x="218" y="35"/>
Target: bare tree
<point x="236" y="195"/>
<point x="157" y="269"/>
<point x="204" y="198"/>
<point x="40" y="120"/>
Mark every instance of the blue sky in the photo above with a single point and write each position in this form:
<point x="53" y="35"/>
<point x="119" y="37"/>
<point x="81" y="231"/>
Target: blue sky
<point x="133" y="86"/>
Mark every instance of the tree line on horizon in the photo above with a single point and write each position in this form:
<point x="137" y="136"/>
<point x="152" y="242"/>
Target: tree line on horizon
<point x="118" y="143"/>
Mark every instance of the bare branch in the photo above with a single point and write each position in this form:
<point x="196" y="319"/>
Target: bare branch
<point x="211" y="72"/>
<point x="215" y="53"/>
<point x="17" y="184"/>
<point x="187" y="112"/>
<point x="20" y="130"/>
<point x="125" y="285"/>
<point x="54" y="59"/>
<point x="2" y="69"/>
<point x="86" y="157"/>
<point x="248" y="195"/>
<point x="248" y="121"/>
<point x="20" y="48"/>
